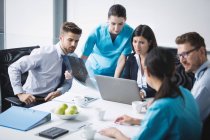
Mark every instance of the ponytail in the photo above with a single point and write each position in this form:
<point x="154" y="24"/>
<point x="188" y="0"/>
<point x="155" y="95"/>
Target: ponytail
<point x="160" y="63"/>
<point x="167" y="89"/>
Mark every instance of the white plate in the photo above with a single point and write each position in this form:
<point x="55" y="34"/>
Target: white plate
<point x="67" y="117"/>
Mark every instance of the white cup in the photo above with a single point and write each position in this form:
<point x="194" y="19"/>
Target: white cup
<point x="138" y="105"/>
<point x="88" y="133"/>
<point x="100" y="114"/>
<point x="80" y="101"/>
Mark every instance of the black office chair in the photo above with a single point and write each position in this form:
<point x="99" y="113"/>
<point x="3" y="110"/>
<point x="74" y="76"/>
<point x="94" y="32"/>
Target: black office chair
<point x="181" y="77"/>
<point x="206" y="129"/>
<point x="7" y="57"/>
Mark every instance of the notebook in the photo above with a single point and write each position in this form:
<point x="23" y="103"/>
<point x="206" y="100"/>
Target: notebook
<point x="23" y="118"/>
<point x="118" y="89"/>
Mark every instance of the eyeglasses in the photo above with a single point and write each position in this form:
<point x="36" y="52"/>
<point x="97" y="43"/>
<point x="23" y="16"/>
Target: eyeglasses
<point x="185" y="54"/>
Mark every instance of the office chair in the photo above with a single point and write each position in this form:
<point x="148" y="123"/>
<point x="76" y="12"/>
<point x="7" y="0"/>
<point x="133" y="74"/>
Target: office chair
<point x="181" y="77"/>
<point x="206" y="129"/>
<point x="7" y="57"/>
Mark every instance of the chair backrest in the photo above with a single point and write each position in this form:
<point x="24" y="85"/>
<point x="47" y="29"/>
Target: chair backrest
<point x="181" y="77"/>
<point x="206" y="129"/>
<point x="7" y="57"/>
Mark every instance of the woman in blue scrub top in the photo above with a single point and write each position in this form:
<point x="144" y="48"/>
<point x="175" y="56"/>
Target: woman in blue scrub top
<point x="173" y="115"/>
<point x="108" y="45"/>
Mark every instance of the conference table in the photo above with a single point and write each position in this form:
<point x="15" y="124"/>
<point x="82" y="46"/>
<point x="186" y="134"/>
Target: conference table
<point x="87" y="115"/>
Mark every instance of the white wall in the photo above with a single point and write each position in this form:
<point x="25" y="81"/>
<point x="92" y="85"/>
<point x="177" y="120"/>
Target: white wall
<point x="1" y="24"/>
<point x="87" y="15"/>
<point x="168" y="18"/>
<point x="28" y="23"/>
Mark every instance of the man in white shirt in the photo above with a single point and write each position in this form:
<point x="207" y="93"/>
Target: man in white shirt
<point x="44" y="66"/>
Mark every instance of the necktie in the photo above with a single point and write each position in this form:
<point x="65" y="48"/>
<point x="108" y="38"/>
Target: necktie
<point x="65" y="66"/>
<point x="66" y="62"/>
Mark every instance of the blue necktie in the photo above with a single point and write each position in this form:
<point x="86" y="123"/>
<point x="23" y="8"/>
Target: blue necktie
<point x="65" y="66"/>
<point x="66" y="63"/>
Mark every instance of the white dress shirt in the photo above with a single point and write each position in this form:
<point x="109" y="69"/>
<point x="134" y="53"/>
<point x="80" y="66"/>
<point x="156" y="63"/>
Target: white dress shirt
<point x="45" y="69"/>
<point x="141" y="79"/>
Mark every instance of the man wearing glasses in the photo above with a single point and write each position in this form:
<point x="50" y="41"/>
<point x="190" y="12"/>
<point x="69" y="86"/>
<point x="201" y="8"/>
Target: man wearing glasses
<point x="192" y="55"/>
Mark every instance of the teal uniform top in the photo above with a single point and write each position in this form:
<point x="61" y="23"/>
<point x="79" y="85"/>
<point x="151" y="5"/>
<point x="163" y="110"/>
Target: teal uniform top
<point x="103" y="53"/>
<point x="172" y="119"/>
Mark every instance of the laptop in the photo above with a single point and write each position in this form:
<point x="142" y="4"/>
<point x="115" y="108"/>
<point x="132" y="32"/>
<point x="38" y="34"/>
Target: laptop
<point x="118" y="89"/>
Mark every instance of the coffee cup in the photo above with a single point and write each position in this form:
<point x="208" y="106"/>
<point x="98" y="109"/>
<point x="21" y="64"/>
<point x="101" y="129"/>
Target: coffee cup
<point x="100" y="114"/>
<point x="138" y="105"/>
<point x="88" y="133"/>
<point x="80" y="101"/>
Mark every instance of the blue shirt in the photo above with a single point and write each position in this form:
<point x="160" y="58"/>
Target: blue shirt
<point x="103" y="52"/>
<point x="201" y="89"/>
<point x="172" y="119"/>
<point x="44" y="66"/>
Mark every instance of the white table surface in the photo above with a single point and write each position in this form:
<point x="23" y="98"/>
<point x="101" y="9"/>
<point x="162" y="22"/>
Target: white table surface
<point x="86" y="114"/>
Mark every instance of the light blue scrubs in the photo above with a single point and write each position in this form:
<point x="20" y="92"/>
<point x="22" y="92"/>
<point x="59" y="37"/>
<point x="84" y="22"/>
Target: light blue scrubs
<point x="172" y="119"/>
<point x="103" y="53"/>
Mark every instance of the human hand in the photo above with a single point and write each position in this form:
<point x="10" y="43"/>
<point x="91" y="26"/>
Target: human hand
<point x="113" y="133"/>
<point x="141" y="93"/>
<point x="52" y="95"/>
<point x="68" y="74"/>
<point x="127" y="119"/>
<point x="26" y="98"/>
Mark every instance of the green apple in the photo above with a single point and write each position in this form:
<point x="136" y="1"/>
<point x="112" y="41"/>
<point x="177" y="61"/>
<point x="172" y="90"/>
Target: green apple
<point x="64" y="106"/>
<point x="74" y="108"/>
<point x="60" y="111"/>
<point x="70" y="111"/>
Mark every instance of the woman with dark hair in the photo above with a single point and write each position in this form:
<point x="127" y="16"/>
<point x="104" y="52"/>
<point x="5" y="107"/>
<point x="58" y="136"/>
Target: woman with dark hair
<point x="173" y="115"/>
<point x="143" y="41"/>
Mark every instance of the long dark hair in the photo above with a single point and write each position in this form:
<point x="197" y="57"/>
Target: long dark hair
<point x="160" y="63"/>
<point x="146" y="32"/>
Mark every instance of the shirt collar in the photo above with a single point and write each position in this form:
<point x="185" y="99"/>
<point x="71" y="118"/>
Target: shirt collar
<point x="59" y="50"/>
<point x="202" y="69"/>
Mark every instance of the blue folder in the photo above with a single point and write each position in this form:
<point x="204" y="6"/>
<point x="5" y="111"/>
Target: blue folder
<point x="23" y="118"/>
